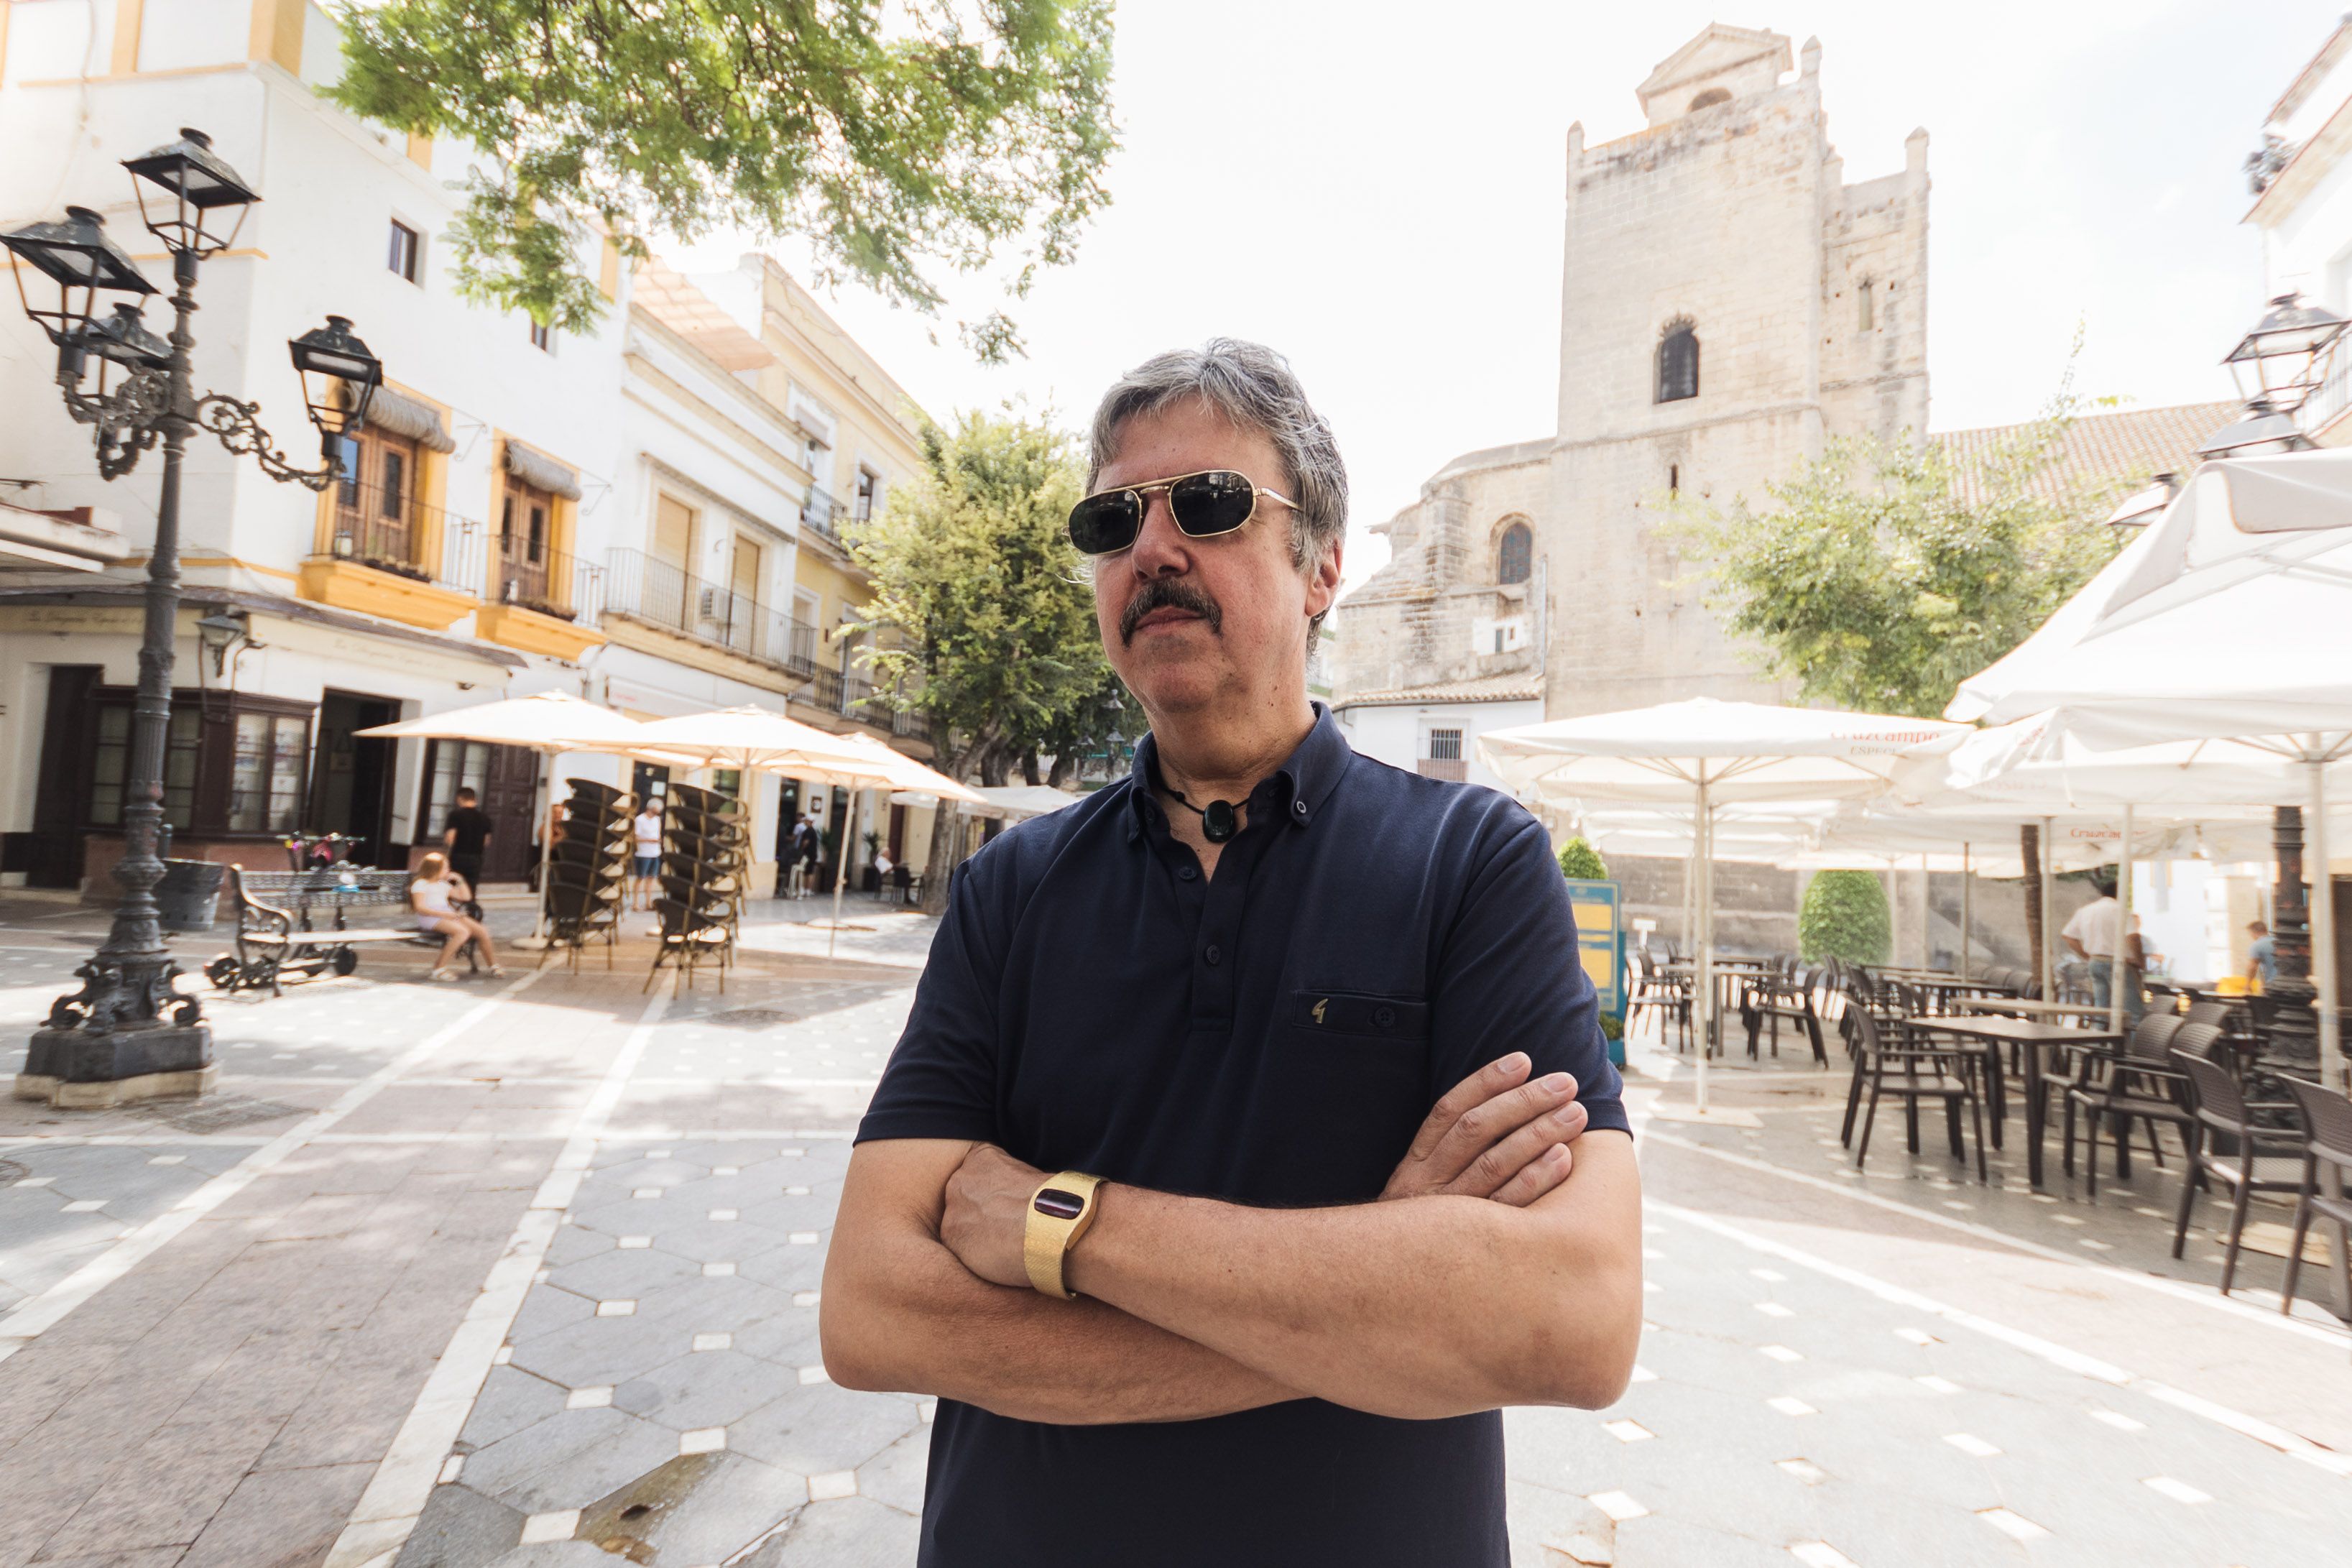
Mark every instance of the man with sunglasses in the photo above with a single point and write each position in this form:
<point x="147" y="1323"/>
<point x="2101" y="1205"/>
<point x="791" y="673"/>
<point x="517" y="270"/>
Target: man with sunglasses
<point x="1228" y="1178"/>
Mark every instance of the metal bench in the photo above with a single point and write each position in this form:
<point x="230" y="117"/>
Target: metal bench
<point x="297" y="924"/>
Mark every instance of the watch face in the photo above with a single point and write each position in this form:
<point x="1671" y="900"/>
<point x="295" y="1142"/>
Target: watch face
<point x="1059" y="1205"/>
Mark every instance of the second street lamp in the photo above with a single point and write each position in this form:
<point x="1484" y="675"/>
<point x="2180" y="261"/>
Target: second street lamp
<point x="129" y="1033"/>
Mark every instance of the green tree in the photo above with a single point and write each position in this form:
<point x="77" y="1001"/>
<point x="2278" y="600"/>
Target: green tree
<point x="1579" y="859"/>
<point x="1844" y="915"/>
<point x="1883" y="574"/>
<point x="888" y="137"/>
<point x="988" y="623"/>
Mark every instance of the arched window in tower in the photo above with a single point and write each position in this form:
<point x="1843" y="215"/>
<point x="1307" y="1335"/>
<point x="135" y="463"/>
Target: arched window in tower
<point x="1710" y="98"/>
<point x="1677" y="360"/>
<point x="1514" y="554"/>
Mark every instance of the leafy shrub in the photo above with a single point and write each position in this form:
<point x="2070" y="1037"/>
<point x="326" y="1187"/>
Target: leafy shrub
<point x="1845" y="916"/>
<point x="1613" y="1026"/>
<point x="1581" y="861"/>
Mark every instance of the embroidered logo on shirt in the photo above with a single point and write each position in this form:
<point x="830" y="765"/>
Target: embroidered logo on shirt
<point x="1318" y="1008"/>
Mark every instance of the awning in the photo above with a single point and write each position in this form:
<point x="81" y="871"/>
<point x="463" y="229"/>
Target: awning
<point x="397" y="414"/>
<point x="542" y="472"/>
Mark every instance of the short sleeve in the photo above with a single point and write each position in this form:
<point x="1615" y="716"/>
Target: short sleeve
<point x="1508" y="977"/>
<point x="941" y="1078"/>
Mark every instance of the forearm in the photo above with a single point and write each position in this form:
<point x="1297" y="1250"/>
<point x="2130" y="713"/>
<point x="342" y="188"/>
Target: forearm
<point x="912" y="1319"/>
<point x="1431" y="1307"/>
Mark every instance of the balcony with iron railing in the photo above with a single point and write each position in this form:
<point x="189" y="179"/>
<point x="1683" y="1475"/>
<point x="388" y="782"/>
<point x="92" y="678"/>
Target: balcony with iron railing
<point x="821" y="515"/>
<point x="541" y="600"/>
<point x="659" y="594"/>
<point x="389" y="554"/>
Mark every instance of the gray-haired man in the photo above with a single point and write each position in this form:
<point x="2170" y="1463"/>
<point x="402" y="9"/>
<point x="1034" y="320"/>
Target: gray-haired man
<point x="1118" y="1198"/>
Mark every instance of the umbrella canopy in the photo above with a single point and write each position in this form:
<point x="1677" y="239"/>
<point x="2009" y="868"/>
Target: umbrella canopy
<point x="747" y="737"/>
<point x="1011" y="801"/>
<point x="544" y="722"/>
<point x="2226" y="619"/>
<point x="1739" y="751"/>
<point x="1706" y="753"/>
<point x="2042" y="767"/>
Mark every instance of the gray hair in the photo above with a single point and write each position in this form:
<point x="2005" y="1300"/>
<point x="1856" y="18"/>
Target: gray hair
<point x="1252" y="386"/>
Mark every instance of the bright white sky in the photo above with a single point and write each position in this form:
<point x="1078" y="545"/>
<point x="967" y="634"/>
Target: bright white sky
<point x="1375" y="190"/>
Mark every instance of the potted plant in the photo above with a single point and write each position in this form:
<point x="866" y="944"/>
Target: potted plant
<point x="870" y="876"/>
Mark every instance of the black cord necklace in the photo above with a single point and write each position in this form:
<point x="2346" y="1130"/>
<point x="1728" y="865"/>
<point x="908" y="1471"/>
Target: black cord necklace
<point x="1218" y="822"/>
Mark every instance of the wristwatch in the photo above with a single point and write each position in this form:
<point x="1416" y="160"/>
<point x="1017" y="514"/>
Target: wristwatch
<point x="1060" y="1211"/>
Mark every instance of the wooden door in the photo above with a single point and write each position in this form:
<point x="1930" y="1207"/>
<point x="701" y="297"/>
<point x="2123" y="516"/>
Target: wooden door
<point x="375" y="501"/>
<point x="510" y="791"/>
<point x="61" y="794"/>
<point x="668" y="596"/>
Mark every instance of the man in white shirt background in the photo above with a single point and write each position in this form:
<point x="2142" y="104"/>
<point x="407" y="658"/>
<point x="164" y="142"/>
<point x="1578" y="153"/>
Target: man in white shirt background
<point x="2092" y="934"/>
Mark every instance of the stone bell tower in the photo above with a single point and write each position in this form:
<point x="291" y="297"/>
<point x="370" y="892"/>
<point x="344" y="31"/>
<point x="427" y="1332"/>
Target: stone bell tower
<point x="1727" y="304"/>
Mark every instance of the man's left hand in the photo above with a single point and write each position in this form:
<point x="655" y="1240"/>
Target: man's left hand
<point x="987" y="1214"/>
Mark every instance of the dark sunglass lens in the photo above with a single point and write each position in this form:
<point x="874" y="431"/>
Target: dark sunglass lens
<point x="1211" y="503"/>
<point x="1102" y="523"/>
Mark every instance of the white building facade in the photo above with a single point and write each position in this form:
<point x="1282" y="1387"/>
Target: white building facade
<point x="615" y="512"/>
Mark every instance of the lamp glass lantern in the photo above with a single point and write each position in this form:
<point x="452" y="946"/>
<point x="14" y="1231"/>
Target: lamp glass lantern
<point x="188" y="197"/>
<point x="62" y="269"/>
<point x="339" y="379"/>
<point x="2261" y="431"/>
<point x="2287" y="355"/>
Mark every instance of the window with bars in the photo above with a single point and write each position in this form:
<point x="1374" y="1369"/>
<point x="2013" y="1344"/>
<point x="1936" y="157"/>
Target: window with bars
<point x="1441" y="755"/>
<point x="1446" y="745"/>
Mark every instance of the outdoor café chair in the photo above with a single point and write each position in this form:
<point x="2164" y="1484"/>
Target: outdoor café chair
<point x="2138" y="1081"/>
<point x="2252" y="1160"/>
<point x="2327" y="1157"/>
<point x="1913" y="1073"/>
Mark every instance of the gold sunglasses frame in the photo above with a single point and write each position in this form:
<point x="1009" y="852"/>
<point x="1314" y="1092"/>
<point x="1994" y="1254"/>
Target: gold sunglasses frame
<point x="1143" y="493"/>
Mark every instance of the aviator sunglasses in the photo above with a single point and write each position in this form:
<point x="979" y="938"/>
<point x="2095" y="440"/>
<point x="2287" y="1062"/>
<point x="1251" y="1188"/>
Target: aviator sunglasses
<point x="1213" y="501"/>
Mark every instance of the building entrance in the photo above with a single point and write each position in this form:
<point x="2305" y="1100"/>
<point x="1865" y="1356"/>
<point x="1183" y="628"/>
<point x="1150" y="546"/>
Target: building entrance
<point x="350" y="777"/>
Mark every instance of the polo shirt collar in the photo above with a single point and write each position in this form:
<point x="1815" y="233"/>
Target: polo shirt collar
<point x="1312" y="771"/>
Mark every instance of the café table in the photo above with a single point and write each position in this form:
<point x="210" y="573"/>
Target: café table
<point x="2034" y="1036"/>
<point x="2027" y="1008"/>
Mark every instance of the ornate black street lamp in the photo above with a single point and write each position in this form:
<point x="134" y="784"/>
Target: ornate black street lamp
<point x="2280" y="366"/>
<point x="127" y="1034"/>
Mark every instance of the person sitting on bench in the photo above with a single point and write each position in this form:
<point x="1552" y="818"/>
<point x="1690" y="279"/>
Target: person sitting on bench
<point x="429" y="895"/>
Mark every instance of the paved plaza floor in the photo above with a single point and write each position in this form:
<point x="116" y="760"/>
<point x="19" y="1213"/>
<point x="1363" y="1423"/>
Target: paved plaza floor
<point x="525" y="1273"/>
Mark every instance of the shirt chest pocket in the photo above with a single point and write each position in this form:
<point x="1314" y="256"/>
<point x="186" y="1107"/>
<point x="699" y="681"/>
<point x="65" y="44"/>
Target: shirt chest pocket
<point x="1361" y="1016"/>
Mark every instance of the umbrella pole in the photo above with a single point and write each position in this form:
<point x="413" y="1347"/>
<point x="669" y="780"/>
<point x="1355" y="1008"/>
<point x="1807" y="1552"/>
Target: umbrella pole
<point x="1703" y="900"/>
<point x="2049" y="970"/>
<point x="840" y="874"/>
<point x="546" y="851"/>
<point x="1966" y="888"/>
<point x="2115" y="968"/>
<point x="2322" y="902"/>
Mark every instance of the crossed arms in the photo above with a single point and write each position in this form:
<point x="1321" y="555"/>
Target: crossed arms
<point x="1505" y="1271"/>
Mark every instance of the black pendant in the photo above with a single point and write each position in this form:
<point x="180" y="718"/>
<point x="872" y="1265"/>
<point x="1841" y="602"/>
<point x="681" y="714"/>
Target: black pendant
<point x="1218" y="823"/>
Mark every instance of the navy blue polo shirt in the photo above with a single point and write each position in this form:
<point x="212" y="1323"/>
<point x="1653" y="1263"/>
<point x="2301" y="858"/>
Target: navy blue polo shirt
<point x="1272" y="1036"/>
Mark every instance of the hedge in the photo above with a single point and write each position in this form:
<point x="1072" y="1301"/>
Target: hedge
<point x="1845" y="916"/>
<point x="1581" y="861"/>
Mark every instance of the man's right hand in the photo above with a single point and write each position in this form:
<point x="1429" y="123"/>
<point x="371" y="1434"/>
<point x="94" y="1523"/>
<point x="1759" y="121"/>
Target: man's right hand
<point x="1494" y="1135"/>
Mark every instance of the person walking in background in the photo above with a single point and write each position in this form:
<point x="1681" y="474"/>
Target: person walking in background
<point x="2262" y="955"/>
<point x="465" y="837"/>
<point x="646" y="835"/>
<point x="433" y="896"/>
<point x="2092" y="935"/>
<point x="811" y="847"/>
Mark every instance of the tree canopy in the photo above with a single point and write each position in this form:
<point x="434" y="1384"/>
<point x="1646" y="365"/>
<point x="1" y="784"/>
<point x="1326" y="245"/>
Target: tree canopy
<point x="985" y="617"/>
<point x="889" y="137"/>
<point x="1882" y="574"/>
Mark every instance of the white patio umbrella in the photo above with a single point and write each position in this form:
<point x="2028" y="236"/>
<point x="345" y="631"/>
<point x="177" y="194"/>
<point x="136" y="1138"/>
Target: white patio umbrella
<point x="1707" y="754"/>
<point x="548" y="722"/>
<point x="2230" y="617"/>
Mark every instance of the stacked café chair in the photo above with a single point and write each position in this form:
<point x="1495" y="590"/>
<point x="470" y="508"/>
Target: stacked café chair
<point x="588" y="870"/>
<point x="706" y="852"/>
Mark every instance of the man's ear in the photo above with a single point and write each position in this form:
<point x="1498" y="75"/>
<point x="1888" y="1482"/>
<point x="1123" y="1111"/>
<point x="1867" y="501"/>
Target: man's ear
<point x="1323" y="582"/>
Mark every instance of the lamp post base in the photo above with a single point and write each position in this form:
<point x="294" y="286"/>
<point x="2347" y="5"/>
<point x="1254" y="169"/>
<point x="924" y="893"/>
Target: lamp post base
<point x="88" y="1069"/>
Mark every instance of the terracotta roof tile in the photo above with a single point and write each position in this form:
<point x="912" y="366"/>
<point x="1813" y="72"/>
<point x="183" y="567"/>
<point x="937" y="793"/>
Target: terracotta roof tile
<point x="2127" y="447"/>
<point x="1521" y="687"/>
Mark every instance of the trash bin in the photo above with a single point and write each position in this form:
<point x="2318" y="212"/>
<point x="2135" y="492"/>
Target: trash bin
<point x="184" y="898"/>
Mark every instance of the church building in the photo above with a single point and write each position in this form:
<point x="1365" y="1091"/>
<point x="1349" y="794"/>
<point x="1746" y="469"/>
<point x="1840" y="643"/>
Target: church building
<point x="1729" y="303"/>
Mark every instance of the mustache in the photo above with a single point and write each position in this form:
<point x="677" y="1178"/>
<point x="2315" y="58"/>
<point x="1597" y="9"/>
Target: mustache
<point x="1167" y="593"/>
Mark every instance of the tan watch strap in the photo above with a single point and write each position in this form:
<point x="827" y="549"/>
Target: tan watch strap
<point x="1060" y="1211"/>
